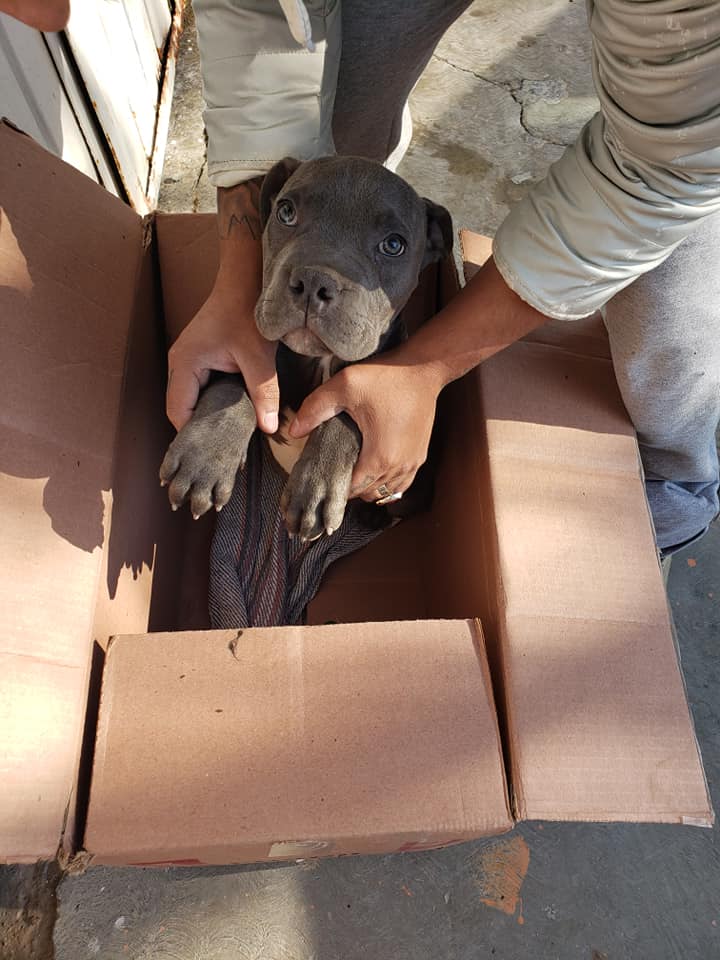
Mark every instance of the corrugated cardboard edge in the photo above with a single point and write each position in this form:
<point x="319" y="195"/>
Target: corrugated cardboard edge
<point x="479" y="249"/>
<point x="478" y="636"/>
<point x="76" y="798"/>
<point x="70" y="853"/>
<point x="701" y="820"/>
<point x="77" y="859"/>
<point x="494" y="631"/>
<point x="7" y="122"/>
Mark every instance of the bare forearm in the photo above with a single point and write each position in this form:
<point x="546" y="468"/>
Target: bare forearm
<point x="223" y="335"/>
<point x="484" y="318"/>
<point x="239" y="231"/>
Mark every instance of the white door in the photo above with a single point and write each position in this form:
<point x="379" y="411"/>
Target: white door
<point x="97" y="94"/>
<point x="34" y="100"/>
<point x="119" y="47"/>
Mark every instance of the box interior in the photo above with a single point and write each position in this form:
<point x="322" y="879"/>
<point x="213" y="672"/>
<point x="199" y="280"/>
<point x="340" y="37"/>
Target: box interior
<point x="590" y="702"/>
<point x="398" y="577"/>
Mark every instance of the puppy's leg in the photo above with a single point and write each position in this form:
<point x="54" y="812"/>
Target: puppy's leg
<point x="201" y="462"/>
<point x="317" y="490"/>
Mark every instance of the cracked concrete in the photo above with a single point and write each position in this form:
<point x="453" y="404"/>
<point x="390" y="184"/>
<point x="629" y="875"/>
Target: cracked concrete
<point x="496" y="106"/>
<point x="28" y="909"/>
<point x="184" y="185"/>
<point x="491" y="112"/>
<point x="469" y="137"/>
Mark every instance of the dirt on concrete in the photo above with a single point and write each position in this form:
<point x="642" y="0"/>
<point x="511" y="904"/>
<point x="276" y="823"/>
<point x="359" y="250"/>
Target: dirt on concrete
<point x="28" y="909"/>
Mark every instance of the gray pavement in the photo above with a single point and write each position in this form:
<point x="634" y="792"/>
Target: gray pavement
<point x="508" y="87"/>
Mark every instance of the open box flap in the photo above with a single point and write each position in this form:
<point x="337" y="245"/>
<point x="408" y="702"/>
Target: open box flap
<point x="595" y="714"/>
<point x="69" y="260"/>
<point x="287" y="742"/>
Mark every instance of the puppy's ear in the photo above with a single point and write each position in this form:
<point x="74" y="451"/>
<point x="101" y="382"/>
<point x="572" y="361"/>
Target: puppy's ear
<point x="275" y="180"/>
<point x="439" y="241"/>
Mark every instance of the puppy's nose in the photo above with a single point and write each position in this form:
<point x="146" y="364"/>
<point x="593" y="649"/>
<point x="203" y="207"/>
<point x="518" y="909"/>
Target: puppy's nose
<point x="313" y="287"/>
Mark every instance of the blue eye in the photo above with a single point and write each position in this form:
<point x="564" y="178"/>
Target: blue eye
<point x="392" y="246"/>
<point x="286" y="213"/>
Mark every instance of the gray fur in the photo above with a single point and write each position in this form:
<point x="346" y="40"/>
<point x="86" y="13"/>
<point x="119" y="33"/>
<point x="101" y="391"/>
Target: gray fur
<point x="328" y="293"/>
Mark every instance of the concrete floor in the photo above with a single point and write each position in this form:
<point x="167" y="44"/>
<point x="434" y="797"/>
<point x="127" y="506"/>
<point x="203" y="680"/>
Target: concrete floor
<point x="508" y="87"/>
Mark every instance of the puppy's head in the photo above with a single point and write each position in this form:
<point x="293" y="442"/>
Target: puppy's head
<point x="344" y="242"/>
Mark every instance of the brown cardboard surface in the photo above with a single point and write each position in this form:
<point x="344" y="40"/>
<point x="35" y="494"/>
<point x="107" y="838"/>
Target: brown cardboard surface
<point x="273" y="744"/>
<point x="594" y="710"/>
<point x="69" y="255"/>
<point x="539" y="526"/>
<point x="384" y="581"/>
<point x="597" y="716"/>
<point x="187" y="252"/>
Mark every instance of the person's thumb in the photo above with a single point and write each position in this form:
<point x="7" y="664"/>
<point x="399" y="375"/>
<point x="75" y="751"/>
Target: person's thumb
<point x="262" y="386"/>
<point x="321" y="405"/>
<point x="184" y="385"/>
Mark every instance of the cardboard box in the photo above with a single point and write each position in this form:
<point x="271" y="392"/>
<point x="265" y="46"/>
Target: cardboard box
<point x="404" y="724"/>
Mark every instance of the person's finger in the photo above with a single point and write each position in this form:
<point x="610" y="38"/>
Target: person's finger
<point x="263" y="389"/>
<point x="373" y="468"/>
<point x="322" y="404"/>
<point x="396" y="484"/>
<point x="183" y="389"/>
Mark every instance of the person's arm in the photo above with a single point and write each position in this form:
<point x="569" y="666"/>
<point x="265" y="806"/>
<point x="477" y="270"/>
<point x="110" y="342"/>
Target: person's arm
<point x="641" y="175"/>
<point x="265" y="99"/>
<point x="392" y="397"/>
<point x="47" y="15"/>
<point x="265" y="96"/>
<point x="223" y="335"/>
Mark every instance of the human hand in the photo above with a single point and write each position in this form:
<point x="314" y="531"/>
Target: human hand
<point x="393" y="405"/>
<point x="392" y="397"/>
<point x="223" y="336"/>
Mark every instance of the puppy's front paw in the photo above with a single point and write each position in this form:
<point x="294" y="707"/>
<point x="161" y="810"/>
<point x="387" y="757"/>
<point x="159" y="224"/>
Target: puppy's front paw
<point x="313" y="503"/>
<point x="200" y="466"/>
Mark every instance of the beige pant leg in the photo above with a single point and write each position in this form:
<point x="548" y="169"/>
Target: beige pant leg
<point x="266" y="96"/>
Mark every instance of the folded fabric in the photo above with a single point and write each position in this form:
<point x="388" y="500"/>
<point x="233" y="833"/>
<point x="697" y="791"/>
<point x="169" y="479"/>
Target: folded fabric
<point x="259" y="577"/>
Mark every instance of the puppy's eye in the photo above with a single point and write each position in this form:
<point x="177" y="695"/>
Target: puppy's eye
<point x="392" y="246"/>
<point x="286" y="213"/>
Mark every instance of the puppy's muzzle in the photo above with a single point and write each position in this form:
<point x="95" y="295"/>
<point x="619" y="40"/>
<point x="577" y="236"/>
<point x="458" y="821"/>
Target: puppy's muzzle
<point x="314" y="291"/>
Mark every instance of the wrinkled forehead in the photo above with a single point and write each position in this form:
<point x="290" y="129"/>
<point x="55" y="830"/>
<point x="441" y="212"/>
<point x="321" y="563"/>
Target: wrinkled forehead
<point x="351" y="192"/>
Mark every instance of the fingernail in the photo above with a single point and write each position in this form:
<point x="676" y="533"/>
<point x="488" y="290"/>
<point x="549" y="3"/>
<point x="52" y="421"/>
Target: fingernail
<point x="218" y="508"/>
<point x="196" y="516"/>
<point x="163" y="483"/>
<point x="174" y="507"/>
<point x="271" y="422"/>
<point x="329" y="531"/>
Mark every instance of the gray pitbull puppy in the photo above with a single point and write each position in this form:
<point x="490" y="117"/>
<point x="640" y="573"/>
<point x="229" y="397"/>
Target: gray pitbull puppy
<point x="344" y="241"/>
